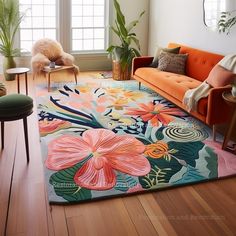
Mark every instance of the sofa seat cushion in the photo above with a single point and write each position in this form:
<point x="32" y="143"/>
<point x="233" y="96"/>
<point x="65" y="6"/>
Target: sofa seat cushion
<point x="173" y="84"/>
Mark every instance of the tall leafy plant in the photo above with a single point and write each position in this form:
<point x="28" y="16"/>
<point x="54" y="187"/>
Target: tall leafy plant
<point x="10" y="19"/>
<point x="124" y="52"/>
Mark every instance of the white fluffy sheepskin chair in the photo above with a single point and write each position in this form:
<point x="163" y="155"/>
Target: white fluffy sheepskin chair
<point x="46" y="50"/>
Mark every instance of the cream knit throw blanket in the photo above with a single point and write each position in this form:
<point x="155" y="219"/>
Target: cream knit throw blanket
<point x="229" y="62"/>
<point x="192" y="96"/>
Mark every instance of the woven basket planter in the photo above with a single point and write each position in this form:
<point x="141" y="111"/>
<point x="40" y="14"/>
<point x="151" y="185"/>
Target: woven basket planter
<point x="3" y="90"/>
<point x="117" y="72"/>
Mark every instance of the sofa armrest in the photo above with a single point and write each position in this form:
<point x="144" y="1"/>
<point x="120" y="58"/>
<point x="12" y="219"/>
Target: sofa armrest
<point x="138" y="62"/>
<point x="218" y="111"/>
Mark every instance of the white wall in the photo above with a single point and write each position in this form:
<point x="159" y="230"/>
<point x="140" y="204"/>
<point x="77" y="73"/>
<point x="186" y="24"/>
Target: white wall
<point x="181" y="21"/>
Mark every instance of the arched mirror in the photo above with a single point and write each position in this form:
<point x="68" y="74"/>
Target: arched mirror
<point x="213" y="9"/>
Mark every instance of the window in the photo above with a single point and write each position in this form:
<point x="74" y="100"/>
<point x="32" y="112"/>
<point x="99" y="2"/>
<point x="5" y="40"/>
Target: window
<point x="80" y="25"/>
<point x="88" y="25"/>
<point x="40" y="22"/>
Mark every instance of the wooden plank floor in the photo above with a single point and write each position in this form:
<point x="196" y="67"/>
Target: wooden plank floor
<point x="201" y="209"/>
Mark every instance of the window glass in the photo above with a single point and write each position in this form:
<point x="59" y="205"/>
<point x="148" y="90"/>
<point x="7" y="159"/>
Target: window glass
<point x="40" y="22"/>
<point x="88" y="25"/>
<point x="83" y="21"/>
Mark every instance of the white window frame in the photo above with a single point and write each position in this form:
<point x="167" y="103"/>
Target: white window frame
<point x="64" y="29"/>
<point x="106" y="30"/>
<point x="56" y="28"/>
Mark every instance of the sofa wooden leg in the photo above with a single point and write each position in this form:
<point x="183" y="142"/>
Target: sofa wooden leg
<point x="2" y="133"/>
<point x="139" y="85"/>
<point x="214" y="132"/>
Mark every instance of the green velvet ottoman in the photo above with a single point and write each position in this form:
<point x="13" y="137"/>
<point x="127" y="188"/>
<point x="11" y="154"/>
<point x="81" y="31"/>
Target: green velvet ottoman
<point x="15" y="107"/>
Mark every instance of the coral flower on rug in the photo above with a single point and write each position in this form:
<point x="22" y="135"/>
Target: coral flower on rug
<point x="102" y="152"/>
<point x="155" y="113"/>
<point x="51" y="126"/>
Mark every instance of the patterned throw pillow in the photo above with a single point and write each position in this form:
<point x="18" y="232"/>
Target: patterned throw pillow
<point x="159" y="51"/>
<point x="171" y="62"/>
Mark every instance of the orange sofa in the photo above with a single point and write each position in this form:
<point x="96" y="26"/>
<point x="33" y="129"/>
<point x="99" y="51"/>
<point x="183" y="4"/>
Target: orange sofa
<point x="211" y="110"/>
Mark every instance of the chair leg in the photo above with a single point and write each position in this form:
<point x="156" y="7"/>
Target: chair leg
<point x="2" y="133"/>
<point x="139" y="85"/>
<point x="26" y="138"/>
<point x="75" y="76"/>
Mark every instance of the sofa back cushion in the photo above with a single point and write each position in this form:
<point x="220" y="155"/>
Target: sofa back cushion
<point x="199" y="63"/>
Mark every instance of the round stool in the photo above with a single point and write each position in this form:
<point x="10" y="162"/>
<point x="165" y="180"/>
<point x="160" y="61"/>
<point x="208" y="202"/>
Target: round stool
<point x="15" y="107"/>
<point x="18" y="71"/>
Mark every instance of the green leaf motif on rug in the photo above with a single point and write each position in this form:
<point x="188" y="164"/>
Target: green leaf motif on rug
<point x="160" y="174"/>
<point x="159" y="135"/>
<point x="124" y="182"/>
<point x="65" y="186"/>
<point x="188" y="152"/>
<point x="212" y="163"/>
<point x="192" y="175"/>
<point x="164" y="168"/>
<point x="143" y="140"/>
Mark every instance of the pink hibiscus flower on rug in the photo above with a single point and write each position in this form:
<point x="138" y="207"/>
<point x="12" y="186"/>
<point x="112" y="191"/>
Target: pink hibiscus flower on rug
<point x="155" y="113"/>
<point x="104" y="152"/>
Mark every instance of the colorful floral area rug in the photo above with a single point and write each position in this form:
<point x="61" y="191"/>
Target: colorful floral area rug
<point x="107" y="141"/>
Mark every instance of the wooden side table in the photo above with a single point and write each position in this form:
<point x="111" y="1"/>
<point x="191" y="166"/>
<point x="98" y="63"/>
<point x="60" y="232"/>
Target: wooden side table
<point x="231" y="101"/>
<point x="18" y="71"/>
<point x="49" y="71"/>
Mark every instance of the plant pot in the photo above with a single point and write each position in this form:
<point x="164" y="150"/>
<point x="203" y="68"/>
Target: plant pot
<point x="233" y="91"/>
<point x="3" y="90"/>
<point x="8" y="62"/>
<point x="117" y="72"/>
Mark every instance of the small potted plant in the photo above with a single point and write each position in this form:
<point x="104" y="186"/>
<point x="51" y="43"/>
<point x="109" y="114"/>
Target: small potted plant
<point x="10" y="19"/>
<point x="123" y="54"/>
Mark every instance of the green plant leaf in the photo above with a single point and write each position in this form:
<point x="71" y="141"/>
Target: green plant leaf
<point x="226" y="22"/>
<point x="132" y="24"/>
<point x="136" y="41"/>
<point x="119" y="13"/>
<point x="116" y="31"/>
<point x="10" y="19"/>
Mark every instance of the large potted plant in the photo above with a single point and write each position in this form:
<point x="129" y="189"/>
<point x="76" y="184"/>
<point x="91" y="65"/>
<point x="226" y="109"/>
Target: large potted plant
<point x="123" y="54"/>
<point x="10" y="19"/>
